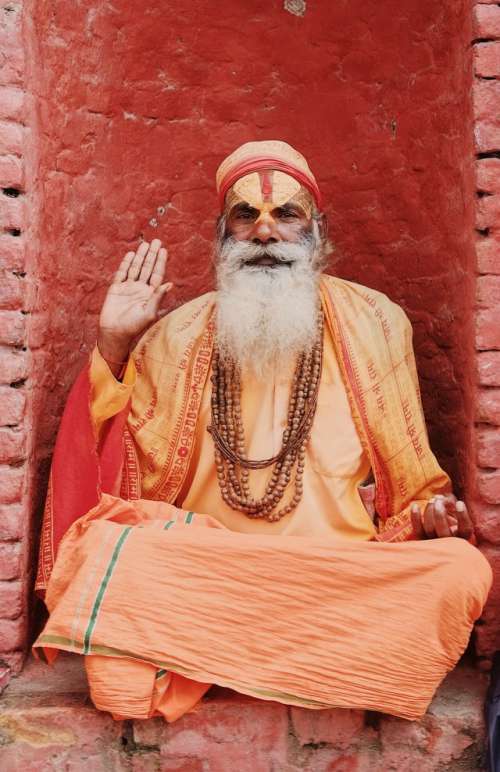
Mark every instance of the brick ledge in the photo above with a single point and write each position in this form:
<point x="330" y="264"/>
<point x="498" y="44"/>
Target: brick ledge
<point x="47" y="723"/>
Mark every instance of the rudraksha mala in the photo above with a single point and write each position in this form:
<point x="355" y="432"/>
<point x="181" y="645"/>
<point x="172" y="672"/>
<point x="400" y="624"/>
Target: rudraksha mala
<point x="233" y="467"/>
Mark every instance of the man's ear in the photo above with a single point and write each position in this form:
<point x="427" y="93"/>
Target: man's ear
<point x="220" y="226"/>
<point x="323" y="226"/>
<point x="327" y="247"/>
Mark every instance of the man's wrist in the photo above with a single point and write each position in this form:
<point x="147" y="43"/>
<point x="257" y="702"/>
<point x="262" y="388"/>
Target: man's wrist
<point x="114" y="350"/>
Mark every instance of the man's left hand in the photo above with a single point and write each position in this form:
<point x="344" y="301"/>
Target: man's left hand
<point x="443" y="516"/>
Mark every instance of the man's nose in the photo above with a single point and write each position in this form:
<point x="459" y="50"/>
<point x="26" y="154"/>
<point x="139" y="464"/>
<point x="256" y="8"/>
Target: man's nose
<point x="265" y="230"/>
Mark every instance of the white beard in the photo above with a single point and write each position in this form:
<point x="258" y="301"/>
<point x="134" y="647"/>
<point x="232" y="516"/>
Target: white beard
<point x="266" y="315"/>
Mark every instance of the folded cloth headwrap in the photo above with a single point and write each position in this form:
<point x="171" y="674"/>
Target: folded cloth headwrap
<point x="259" y="156"/>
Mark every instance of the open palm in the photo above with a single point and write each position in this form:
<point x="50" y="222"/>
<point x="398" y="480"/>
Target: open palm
<point x="133" y="299"/>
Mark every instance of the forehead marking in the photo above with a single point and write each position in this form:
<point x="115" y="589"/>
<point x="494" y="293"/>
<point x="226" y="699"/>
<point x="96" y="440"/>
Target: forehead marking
<point x="266" y="185"/>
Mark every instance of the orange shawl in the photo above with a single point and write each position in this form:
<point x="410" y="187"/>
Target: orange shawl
<point x="372" y="337"/>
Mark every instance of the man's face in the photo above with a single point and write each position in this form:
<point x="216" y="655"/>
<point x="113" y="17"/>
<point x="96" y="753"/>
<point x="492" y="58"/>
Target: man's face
<point x="268" y="267"/>
<point x="269" y="255"/>
<point x="268" y="224"/>
<point x="267" y="208"/>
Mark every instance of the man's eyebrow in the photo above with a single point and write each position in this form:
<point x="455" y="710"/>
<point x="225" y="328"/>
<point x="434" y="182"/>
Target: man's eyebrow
<point x="290" y="206"/>
<point x="243" y="206"/>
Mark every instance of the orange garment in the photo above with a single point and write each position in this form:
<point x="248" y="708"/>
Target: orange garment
<point x="157" y="450"/>
<point x="335" y="461"/>
<point x="141" y="588"/>
<point x="146" y="452"/>
<point x="372" y="344"/>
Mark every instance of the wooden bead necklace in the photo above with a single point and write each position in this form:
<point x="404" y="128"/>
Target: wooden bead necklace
<point x="233" y="467"/>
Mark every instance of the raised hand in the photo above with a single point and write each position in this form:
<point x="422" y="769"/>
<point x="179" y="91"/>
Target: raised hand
<point x="443" y="516"/>
<point x="132" y="301"/>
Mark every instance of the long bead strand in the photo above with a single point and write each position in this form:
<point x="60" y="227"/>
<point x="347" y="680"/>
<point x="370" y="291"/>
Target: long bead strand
<point x="233" y="466"/>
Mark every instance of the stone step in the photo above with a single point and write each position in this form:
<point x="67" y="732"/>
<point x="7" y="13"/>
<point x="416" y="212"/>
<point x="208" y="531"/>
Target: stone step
<point x="47" y="723"/>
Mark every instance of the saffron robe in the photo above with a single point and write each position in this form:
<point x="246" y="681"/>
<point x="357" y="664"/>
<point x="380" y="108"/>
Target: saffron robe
<point x="371" y="339"/>
<point x="335" y="465"/>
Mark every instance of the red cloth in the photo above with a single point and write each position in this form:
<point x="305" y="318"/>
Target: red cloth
<point x="82" y="468"/>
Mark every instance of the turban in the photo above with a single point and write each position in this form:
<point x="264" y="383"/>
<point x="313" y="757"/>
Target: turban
<point x="265" y="156"/>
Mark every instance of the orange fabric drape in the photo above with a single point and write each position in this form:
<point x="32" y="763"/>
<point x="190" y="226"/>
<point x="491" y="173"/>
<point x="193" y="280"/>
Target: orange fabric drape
<point x="144" y="590"/>
<point x="372" y="341"/>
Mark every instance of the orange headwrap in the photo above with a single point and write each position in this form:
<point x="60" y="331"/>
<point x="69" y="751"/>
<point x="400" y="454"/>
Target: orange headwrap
<point x="268" y="155"/>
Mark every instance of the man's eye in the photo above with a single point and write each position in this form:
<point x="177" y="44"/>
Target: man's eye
<point x="287" y="214"/>
<point x="245" y="215"/>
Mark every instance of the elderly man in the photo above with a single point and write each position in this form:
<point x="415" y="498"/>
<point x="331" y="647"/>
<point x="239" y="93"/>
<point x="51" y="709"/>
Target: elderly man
<point x="265" y="406"/>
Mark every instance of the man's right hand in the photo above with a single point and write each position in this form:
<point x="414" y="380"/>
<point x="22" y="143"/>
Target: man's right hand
<point x="132" y="302"/>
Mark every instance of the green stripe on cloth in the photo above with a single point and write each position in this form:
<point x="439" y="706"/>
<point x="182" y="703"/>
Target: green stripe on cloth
<point x="167" y="525"/>
<point x="160" y="674"/>
<point x="65" y="644"/>
<point x="189" y="517"/>
<point x="102" y="588"/>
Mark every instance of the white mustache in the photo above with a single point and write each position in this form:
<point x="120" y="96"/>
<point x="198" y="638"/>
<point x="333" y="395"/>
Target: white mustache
<point x="235" y="255"/>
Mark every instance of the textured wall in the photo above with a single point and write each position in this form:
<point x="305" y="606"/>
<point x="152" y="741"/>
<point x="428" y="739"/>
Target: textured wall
<point x="17" y="220"/>
<point x="146" y="104"/>
<point x="485" y="484"/>
<point x="135" y="109"/>
<point x="48" y="724"/>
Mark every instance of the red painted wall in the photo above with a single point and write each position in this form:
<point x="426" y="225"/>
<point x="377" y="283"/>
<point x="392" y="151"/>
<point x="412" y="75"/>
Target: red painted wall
<point x="138" y="105"/>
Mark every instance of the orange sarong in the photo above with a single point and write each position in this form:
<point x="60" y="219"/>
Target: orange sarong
<point x="165" y="602"/>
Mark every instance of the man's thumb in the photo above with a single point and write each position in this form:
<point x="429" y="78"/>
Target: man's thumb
<point x="163" y="288"/>
<point x="158" y="295"/>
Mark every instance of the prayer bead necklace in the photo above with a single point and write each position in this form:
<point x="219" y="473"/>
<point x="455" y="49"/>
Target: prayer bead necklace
<point x="233" y="467"/>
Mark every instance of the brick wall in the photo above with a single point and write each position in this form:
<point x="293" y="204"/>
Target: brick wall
<point x="48" y="723"/>
<point x="14" y="358"/>
<point x="486" y="490"/>
<point x="133" y="125"/>
<point x="134" y="122"/>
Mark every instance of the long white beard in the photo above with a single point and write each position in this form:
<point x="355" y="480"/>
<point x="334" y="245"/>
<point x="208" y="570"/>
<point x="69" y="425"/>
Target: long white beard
<point x="266" y="316"/>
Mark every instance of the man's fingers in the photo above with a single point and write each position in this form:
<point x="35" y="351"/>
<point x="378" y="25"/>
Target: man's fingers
<point x="136" y="265"/>
<point x="149" y="260"/>
<point x="429" y="522"/>
<point x="465" y="528"/>
<point x="121" y="274"/>
<point x="440" y="520"/>
<point x="416" y="521"/>
<point x="448" y="498"/>
<point x="158" y="274"/>
<point x="449" y="502"/>
<point x="158" y="294"/>
<point x="435" y="522"/>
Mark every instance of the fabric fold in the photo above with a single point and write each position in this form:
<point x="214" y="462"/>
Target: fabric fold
<point x="372" y="338"/>
<point x="360" y="625"/>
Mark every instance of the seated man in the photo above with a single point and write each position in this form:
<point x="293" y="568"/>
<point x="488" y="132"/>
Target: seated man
<point x="265" y="406"/>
